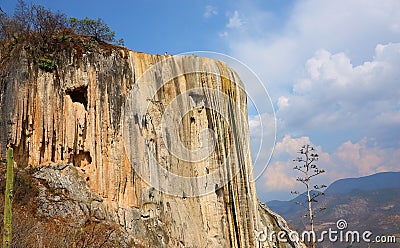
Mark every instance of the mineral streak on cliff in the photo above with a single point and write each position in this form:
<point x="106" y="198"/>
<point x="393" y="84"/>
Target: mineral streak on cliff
<point x="163" y="140"/>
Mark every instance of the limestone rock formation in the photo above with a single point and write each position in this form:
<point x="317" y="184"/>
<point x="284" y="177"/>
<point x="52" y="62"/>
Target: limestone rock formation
<point x="123" y="133"/>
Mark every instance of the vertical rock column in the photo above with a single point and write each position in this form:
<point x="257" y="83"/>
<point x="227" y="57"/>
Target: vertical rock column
<point x="187" y="136"/>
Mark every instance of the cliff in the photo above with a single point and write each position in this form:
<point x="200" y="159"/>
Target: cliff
<point x="157" y="144"/>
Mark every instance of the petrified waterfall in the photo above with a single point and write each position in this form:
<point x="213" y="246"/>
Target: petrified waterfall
<point x="163" y="141"/>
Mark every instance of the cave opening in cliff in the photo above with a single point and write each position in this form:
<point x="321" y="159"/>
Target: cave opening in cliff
<point x="79" y="95"/>
<point x="81" y="159"/>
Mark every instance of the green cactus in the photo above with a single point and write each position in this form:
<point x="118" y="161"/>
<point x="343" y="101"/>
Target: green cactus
<point x="7" y="233"/>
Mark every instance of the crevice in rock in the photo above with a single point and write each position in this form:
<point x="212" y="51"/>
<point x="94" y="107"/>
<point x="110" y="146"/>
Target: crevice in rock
<point x="42" y="145"/>
<point x="21" y="152"/>
<point x="81" y="159"/>
<point x="79" y="95"/>
<point x="53" y="146"/>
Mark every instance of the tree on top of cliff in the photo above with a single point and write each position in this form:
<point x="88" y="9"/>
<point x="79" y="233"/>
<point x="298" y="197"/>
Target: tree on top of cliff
<point x="96" y="28"/>
<point x="36" y="21"/>
<point x="28" y="22"/>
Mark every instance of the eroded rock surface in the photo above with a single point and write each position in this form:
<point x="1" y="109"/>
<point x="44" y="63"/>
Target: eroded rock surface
<point x="71" y="123"/>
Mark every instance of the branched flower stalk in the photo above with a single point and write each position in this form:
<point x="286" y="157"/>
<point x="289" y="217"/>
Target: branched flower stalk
<point x="309" y="169"/>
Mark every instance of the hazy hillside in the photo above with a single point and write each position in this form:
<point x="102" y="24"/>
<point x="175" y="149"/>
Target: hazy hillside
<point x="383" y="180"/>
<point x="368" y="203"/>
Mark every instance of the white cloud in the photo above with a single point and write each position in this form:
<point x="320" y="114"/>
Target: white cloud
<point x="289" y="145"/>
<point x="278" y="177"/>
<point x="332" y="70"/>
<point x="354" y="27"/>
<point x="326" y="66"/>
<point x="302" y="86"/>
<point x="274" y="61"/>
<point x="262" y="141"/>
<point x="348" y="160"/>
<point x="362" y="159"/>
<point x="235" y="21"/>
<point x="223" y="34"/>
<point x="337" y="95"/>
<point x="254" y="123"/>
<point x="388" y="118"/>
<point x="210" y="11"/>
<point x="283" y="102"/>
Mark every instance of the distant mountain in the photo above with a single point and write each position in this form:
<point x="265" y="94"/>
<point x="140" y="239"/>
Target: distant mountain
<point x="383" y="180"/>
<point x="371" y="183"/>
<point x="288" y="207"/>
<point x="367" y="203"/>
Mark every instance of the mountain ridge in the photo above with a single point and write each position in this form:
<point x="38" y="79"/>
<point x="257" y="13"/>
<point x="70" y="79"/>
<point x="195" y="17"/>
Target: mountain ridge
<point x="381" y="180"/>
<point x="361" y="202"/>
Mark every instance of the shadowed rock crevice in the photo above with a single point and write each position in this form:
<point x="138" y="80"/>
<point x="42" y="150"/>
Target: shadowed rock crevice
<point x="81" y="159"/>
<point x="79" y="95"/>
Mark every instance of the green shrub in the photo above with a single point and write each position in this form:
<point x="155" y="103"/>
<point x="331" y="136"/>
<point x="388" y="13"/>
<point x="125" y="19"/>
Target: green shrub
<point x="47" y="65"/>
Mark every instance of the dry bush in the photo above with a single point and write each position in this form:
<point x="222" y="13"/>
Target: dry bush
<point x="31" y="230"/>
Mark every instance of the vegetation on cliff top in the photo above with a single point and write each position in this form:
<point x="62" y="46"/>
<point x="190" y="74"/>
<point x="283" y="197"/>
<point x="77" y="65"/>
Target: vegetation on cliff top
<point x="44" y="34"/>
<point x="40" y="22"/>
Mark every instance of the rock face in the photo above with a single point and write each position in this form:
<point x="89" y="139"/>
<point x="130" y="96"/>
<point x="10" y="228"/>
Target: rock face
<point x="123" y="133"/>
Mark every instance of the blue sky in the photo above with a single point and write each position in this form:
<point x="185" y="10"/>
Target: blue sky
<point x="158" y="26"/>
<point x="330" y="67"/>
